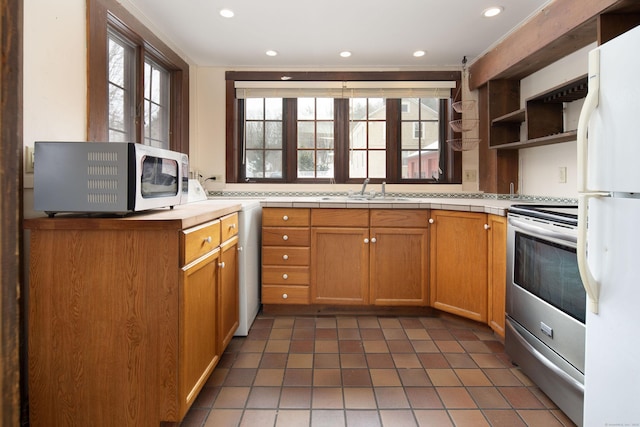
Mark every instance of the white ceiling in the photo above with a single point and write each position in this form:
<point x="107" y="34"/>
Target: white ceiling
<point x="312" y="33"/>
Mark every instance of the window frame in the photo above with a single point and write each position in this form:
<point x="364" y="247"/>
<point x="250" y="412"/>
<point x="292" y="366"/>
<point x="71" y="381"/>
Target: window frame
<point x="450" y="159"/>
<point x="104" y="14"/>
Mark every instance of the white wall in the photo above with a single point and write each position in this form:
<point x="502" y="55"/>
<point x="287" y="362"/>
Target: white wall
<point x="539" y="166"/>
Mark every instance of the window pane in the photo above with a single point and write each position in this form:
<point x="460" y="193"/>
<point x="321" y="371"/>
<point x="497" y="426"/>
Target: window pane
<point x="410" y="108"/>
<point x="273" y="164"/>
<point x="420" y="138"/>
<point x="377" y="110"/>
<point x="377" y="135"/>
<point x="254" y="135"/>
<point x="273" y="135"/>
<point x="273" y="108"/>
<point x="156" y="104"/>
<point x="430" y="135"/>
<point x="357" y="164"/>
<point x="306" y="135"/>
<point x="255" y="164"/>
<point x="324" y="110"/>
<point x="121" y="89"/>
<point x="254" y="108"/>
<point x="358" y="135"/>
<point x="306" y="108"/>
<point x="306" y="164"/>
<point x="325" y="135"/>
<point x="324" y="164"/>
<point x="357" y="108"/>
<point x="377" y="164"/>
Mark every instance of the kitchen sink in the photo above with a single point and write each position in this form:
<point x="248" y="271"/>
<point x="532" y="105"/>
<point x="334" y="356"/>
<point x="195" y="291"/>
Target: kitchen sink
<point x="347" y="199"/>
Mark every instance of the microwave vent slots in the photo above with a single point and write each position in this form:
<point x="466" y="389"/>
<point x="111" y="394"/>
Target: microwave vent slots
<point x="102" y="198"/>
<point x="102" y="156"/>
<point x="102" y="184"/>
<point x="99" y="170"/>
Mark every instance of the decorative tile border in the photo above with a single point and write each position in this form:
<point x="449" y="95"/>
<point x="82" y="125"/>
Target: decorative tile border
<point x="477" y="196"/>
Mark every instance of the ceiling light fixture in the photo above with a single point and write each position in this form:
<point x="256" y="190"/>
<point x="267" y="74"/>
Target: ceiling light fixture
<point x="345" y="54"/>
<point x="419" y="53"/>
<point x="271" y="53"/>
<point x="492" y="11"/>
<point x="227" y="13"/>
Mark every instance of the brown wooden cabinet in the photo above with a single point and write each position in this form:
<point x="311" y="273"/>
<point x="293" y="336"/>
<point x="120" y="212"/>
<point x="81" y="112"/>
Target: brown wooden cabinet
<point x="123" y="315"/>
<point x="285" y="255"/>
<point x="369" y="257"/>
<point x="459" y="263"/>
<point x="497" y="272"/>
<point x="228" y="307"/>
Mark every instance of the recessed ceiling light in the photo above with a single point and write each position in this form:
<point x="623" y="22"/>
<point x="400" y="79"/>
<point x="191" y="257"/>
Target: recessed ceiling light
<point x="345" y="54"/>
<point x="271" y="53"/>
<point x="419" y="53"/>
<point x="227" y="13"/>
<point x="492" y="11"/>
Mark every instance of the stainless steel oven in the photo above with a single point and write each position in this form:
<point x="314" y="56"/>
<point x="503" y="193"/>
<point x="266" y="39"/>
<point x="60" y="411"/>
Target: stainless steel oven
<point x="546" y="303"/>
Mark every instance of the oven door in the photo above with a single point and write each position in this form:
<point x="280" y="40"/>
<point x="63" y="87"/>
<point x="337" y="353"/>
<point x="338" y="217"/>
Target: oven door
<point x="545" y="295"/>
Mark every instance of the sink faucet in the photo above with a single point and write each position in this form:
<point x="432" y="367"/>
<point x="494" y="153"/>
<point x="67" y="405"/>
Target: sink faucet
<point x="384" y="193"/>
<point x="364" y="186"/>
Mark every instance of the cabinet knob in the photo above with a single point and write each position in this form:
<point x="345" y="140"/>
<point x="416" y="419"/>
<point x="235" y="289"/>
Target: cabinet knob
<point x="285" y="237"/>
<point x="285" y="218"/>
<point x="232" y="226"/>
<point x="240" y="249"/>
<point x="208" y="239"/>
<point x="431" y="221"/>
<point x="285" y="257"/>
<point x="373" y="240"/>
<point x="285" y="276"/>
<point x="487" y="226"/>
<point x="221" y="264"/>
<point x="285" y="296"/>
<point x="366" y="240"/>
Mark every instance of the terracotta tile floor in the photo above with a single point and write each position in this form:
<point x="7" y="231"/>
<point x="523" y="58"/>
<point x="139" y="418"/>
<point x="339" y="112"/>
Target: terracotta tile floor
<point x="369" y="371"/>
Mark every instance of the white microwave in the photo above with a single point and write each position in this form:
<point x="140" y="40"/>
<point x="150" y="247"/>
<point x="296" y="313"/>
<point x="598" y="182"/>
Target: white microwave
<point x="107" y="177"/>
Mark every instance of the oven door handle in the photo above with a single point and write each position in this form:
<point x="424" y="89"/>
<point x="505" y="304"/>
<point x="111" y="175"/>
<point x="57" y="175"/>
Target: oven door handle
<point x="540" y="231"/>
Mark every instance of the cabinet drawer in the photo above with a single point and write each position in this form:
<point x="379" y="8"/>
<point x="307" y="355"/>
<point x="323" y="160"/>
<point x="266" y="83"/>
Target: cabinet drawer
<point x="284" y="236"/>
<point x="340" y="217"/>
<point x="414" y="218"/>
<point x="229" y="226"/>
<point x="197" y="241"/>
<point x="285" y="275"/>
<point x="285" y="256"/>
<point x="285" y="294"/>
<point x="285" y="217"/>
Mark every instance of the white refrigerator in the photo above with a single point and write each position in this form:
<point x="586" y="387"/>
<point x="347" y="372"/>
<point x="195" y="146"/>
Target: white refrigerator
<point x="608" y="246"/>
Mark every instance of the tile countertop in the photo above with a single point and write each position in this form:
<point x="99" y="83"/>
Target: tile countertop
<point x="490" y="206"/>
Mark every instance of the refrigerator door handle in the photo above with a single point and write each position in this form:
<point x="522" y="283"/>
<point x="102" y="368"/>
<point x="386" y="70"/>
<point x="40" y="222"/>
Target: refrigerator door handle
<point x="589" y="106"/>
<point x="591" y="285"/>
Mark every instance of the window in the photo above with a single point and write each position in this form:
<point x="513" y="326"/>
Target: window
<point x="332" y="134"/>
<point x="263" y="136"/>
<point x="367" y="138"/>
<point x="315" y="140"/>
<point x="420" y="138"/>
<point x="138" y="87"/>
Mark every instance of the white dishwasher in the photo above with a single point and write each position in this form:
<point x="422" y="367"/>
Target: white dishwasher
<point x="250" y="231"/>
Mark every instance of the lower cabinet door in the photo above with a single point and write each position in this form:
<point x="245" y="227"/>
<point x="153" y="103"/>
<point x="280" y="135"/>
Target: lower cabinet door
<point x="399" y="266"/>
<point x="340" y="266"/>
<point x="228" y="295"/>
<point x="199" y="352"/>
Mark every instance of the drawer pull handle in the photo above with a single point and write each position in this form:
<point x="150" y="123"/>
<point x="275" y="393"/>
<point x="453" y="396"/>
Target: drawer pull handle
<point x="285" y="257"/>
<point x="285" y="276"/>
<point x="208" y="240"/>
<point x="221" y="265"/>
<point x="285" y="237"/>
<point x="285" y="218"/>
<point x="285" y="296"/>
